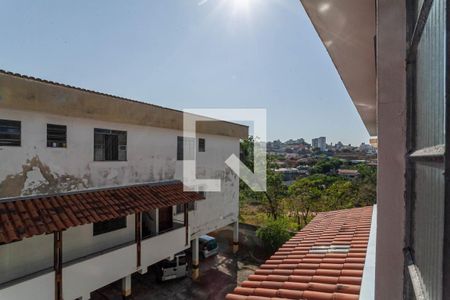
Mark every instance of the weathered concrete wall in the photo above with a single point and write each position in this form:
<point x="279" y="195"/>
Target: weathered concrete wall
<point x="151" y="156"/>
<point x="21" y="93"/>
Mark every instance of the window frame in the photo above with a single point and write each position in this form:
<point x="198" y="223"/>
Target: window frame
<point x="101" y="138"/>
<point x="436" y="156"/>
<point x="16" y="142"/>
<point x="64" y="143"/>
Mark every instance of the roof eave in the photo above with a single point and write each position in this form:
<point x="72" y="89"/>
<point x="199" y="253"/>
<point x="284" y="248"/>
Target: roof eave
<point x="347" y="30"/>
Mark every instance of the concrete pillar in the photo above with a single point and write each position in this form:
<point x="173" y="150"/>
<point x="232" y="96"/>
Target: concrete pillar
<point x="236" y="237"/>
<point x="126" y="287"/>
<point x="195" y="259"/>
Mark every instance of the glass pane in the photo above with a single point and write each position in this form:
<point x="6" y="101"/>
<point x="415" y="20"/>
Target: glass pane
<point x="428" y="223"/>
<point x="430" y="102"/>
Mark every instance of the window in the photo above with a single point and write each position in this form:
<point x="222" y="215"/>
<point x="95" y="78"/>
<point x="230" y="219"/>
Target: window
<point x="180" y="148"/>
<point x="108" y="226"/>
<point x="56" y="136"/>
<point x="189" y="145"/>
<point x="201" y="145"/>
<point x="110" y="145"/>
<point x="428" y="136"/>
<point x="180" y="207"/>
<point x="10" y="132"/>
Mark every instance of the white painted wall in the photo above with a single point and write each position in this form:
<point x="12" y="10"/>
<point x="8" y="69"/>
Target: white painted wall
<point x="163" y="246"/>
<point x="21" y="258"/>
<point x="80" y="279"/>
<point x="39" y="288"/>
<point x="151" y="156"/>
<point x="80" y="241"/>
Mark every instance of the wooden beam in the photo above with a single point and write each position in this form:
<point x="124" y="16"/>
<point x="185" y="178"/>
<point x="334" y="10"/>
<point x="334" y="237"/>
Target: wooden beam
<point x="186" y="222"/>
<point x="57" y="264"/>
<point x="138" y="238"/>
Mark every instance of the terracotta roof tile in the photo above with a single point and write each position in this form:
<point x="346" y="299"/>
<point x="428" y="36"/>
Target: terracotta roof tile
<point x="323" y="261"/>
<point x="28" y="216"/>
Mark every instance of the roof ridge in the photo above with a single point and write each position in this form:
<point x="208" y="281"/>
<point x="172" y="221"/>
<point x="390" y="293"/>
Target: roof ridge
<point x="90" y="190"/>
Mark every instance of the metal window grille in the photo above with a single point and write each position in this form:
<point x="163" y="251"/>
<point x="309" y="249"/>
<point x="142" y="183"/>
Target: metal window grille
<point x="428" y="126"/>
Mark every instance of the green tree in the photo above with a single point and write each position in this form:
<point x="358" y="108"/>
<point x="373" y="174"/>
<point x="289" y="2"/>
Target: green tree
<point x="274" y="234"/>
<point x="366" y="185"/>
<point x="275" y="189"/>
<point x="304" y="195"/>
<point x="326" y="166"/>
<point x="339" y="195"/>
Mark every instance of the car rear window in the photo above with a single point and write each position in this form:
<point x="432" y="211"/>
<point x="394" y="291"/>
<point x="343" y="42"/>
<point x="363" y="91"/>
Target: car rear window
<point x="211" y="245"/>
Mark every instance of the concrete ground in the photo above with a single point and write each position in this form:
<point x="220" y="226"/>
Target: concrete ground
<point x="219" y="275"/>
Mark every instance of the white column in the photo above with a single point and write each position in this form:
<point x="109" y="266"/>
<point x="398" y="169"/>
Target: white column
<point x="236" y="237"/>
<point x="195" y="258"/>
<point x="126" y="287"/>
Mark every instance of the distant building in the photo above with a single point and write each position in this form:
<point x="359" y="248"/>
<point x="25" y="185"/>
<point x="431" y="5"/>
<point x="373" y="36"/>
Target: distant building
<point x="348" y="173"/>
<point x="320" y="143"/>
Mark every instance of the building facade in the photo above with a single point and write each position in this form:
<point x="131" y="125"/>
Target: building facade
<point x="393" y="57"/>
<point x="62" y="147"/>
<point x="319" y="143"/>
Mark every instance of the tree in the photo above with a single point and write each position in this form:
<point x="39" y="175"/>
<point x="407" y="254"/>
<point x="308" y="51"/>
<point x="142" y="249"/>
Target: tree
<point x="339" y="195"/>
<point x="303" y="199"/>
<point x="274" y="234"/>
<point x="366" y="185"/>
<point x="326" y="166"/>
<point x="275" y="188"/>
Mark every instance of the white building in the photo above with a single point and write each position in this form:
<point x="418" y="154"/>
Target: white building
<point x="90" y="188"/>
<point x="319" y="143"/>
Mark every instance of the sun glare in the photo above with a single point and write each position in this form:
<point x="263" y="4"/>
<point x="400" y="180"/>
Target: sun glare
<point x="241" y="6"/>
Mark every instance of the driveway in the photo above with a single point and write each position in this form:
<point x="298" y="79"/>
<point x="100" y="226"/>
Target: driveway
<point x="219" y="275"/>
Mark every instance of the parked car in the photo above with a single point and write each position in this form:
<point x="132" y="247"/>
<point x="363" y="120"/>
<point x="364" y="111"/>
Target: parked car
<point x="171" y="269"/>
<point x="208" y="246"/>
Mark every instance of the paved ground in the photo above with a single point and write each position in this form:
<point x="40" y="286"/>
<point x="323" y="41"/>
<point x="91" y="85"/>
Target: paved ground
<point x="218" y="276"/>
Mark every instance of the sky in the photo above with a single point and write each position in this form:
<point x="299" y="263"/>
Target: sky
<point x="187" y="54"/>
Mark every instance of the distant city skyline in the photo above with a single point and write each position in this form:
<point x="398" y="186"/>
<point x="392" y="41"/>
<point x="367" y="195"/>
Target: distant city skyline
<point x="309" y="141"/>
<point x="188" y="54"/>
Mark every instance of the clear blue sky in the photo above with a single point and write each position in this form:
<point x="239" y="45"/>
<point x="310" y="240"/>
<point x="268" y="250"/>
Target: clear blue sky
<point x="187" y="54"/>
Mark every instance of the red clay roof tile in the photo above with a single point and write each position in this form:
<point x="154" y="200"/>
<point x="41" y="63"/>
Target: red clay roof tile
<point x="324" y="261"/>
<point x="26" y="217"/>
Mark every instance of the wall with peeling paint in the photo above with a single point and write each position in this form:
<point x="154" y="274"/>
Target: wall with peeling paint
<point x="34" y="169"/>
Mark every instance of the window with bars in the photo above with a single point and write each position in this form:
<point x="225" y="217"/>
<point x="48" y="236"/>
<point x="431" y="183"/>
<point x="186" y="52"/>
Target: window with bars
<point x="56" y="136"/>
<point x="188" y="144"/>
<point x="10" y="133"/>
<point x="427" y="143"/>
<point x="108" y="226"/>
<point x="110" y="145"/>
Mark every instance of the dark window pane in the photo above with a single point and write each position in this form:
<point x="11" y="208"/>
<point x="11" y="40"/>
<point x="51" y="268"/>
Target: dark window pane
<point x="108" y="226"/>
<point x="201" y="145"/>
<point x="180" y="148"/>
<point x="56" y="136"/>
<point x="10" y="133"/>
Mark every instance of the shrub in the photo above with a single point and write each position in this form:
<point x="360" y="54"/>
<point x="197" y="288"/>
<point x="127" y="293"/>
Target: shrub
<point x="274" y="234"/>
